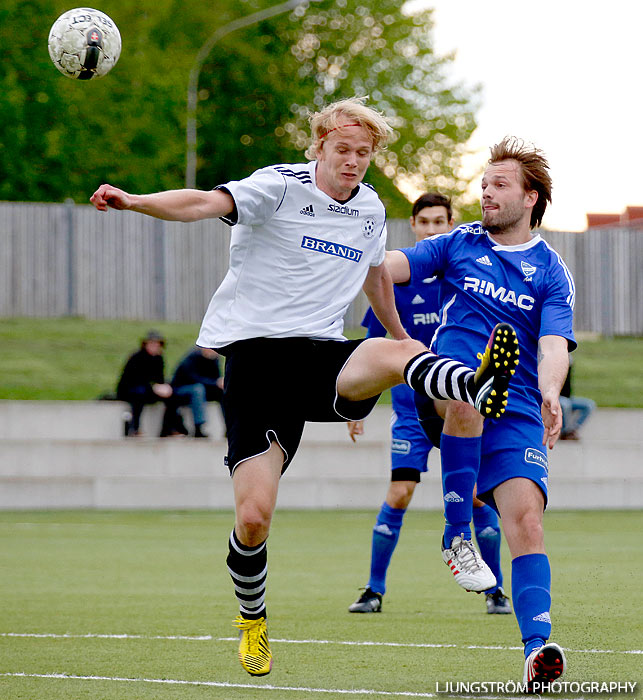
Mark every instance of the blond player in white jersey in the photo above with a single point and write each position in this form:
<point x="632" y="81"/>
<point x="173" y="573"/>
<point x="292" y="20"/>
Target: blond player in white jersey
<point x="307" y="238"/>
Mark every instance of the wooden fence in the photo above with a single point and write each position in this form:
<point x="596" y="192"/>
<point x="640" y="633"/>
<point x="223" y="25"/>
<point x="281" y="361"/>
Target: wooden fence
<point x="69" y="260"/>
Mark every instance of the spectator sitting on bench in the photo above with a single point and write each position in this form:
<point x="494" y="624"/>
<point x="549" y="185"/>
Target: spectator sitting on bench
<point x="197" y="380"/>
<point x="142" y="381"/>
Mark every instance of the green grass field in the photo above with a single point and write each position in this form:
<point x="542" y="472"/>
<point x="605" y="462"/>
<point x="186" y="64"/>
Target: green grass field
<point x="73" y="358"/>
<point x="129" y="605"/>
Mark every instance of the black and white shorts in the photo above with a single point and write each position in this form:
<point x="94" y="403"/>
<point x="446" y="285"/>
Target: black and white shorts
<point x="274" y="385"/>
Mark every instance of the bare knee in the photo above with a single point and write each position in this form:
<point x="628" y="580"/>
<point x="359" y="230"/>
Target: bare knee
<point x="521" y="504"/>
<point x="396" y="353"/>
<point x="462" y="419"/>
<point x="524" y="533"/>
<point x="252" y="522"/>
<point x="256" y="482"/>
<point x="377" y="364"/>
<point x="409" y="348"/>
<point x="400" y="493"/>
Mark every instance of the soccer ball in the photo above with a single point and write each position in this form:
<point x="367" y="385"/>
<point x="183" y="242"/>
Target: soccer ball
<point x="84" y="43"/>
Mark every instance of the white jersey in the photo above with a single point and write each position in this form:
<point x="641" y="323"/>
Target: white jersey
<point x="298" y="258"/>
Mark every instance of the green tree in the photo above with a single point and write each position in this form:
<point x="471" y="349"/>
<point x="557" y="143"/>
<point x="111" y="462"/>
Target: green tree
<point x="370" y="47"/>
<point x="60" y="138"/>
<point x="259" y="88"/>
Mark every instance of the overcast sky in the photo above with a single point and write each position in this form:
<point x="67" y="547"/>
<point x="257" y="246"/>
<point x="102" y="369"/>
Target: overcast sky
<point x="565" y="75"/>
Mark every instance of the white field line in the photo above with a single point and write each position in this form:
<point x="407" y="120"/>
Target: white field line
<point x="210" y="638"/>
<point x="247" y="686"/>
<point x="220" y="684"/>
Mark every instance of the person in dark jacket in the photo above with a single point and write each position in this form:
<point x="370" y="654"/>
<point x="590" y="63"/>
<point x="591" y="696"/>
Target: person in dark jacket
<point x="197" y="380"/>
<point x="142" y="381"/>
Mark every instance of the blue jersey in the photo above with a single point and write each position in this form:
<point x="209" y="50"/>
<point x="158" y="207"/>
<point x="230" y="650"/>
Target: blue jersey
<point x="418" y="304"/>
<point x="484" y="283"/>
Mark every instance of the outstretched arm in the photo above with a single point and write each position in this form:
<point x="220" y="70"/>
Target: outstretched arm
<point x="172" y="205"/>
<point x="553" y="363"/>
<point x="379" y="290"/>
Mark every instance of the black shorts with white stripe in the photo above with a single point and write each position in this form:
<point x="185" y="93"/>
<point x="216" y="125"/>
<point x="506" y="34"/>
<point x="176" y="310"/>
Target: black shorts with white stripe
<point x="274" y="385"/>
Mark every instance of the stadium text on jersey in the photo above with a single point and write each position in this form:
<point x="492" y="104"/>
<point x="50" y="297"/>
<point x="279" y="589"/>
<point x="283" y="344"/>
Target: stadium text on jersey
<point x="341" y="209"/>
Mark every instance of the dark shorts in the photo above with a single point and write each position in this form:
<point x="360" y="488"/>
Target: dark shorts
<point x="407" y="474"/>
<point x="274" y="385"/>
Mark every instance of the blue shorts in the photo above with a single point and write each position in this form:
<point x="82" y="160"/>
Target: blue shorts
<point x="410" y="446"/>
<point x="511" y="448"/>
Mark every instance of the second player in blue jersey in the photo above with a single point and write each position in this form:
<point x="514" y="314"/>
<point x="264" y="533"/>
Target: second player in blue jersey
<point x="418" y="304"/>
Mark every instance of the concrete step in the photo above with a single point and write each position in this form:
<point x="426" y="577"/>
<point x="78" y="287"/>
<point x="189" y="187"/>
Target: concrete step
<point x="48" y="466"/>
<point x="101" y="420"/>
<point x="84" y="420"/>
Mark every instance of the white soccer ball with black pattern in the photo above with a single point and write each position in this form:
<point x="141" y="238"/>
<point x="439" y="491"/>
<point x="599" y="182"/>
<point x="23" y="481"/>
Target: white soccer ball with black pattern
<point x="84" y="43"/>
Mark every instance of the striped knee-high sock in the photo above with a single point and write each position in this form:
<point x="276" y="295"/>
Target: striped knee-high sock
<point x="440" y="377"/>
<point x="248" y="567"/>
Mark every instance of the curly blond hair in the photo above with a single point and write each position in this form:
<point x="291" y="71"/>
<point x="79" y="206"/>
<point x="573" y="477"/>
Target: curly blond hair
<point x="353" y="109"/>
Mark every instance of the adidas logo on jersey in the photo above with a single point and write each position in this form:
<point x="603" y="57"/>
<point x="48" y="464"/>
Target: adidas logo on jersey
<point x="453" y="497"/>
<point x="484" y="260"/>
<point x="543" y="617"/>
<point x="417" y="299"/>
<point x="307" y="211"/>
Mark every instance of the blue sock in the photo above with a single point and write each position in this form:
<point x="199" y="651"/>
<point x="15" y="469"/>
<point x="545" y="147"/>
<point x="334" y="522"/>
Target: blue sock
<point x="385" y="536"/>
<point x="487" y="527"/>
<point x="531" y="591"/>
<point x="460" y="458"/>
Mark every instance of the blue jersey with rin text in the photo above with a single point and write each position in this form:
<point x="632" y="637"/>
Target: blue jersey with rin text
<point x="418" y="305"/>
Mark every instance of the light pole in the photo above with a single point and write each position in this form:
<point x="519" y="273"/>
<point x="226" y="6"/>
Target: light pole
<point x="193" y="82"/>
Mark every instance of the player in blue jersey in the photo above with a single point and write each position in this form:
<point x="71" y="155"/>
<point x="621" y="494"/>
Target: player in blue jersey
<point x="306" y="238"/>
<point x="419" y="308"/>
<point x="497" y="271"/>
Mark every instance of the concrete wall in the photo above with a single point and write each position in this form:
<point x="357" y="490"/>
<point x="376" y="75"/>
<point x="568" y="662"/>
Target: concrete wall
<point x="71" y="454"/>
